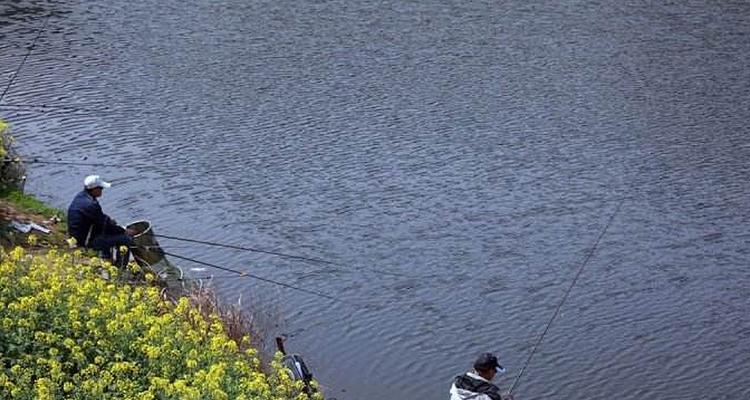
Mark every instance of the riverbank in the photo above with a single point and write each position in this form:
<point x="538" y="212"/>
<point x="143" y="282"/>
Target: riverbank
<point x="74" y="326"/>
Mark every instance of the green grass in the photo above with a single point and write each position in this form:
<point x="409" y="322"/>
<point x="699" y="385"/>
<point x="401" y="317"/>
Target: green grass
<point x="28" y="203"/>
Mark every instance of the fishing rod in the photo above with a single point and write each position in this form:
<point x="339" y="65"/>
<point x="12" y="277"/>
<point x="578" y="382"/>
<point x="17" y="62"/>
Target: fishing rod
<point x="31" y="48"/>
<point x="216" y="244"/>
<point x="60" y="162"/>
<point x="231" y="246"/>
<point x="53" y="107"/>
<point x="243" y="273"/>
<point x="197" y="278"/>
<point x="565" y="296"/>
<point x="207" y="278"/>
<point x="285" y="255"/>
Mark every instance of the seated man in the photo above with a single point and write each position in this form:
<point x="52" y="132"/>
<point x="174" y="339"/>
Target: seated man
<point x="90" y="226"/>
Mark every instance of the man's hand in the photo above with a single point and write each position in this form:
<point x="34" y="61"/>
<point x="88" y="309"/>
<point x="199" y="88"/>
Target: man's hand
<point x="508" y="396"/>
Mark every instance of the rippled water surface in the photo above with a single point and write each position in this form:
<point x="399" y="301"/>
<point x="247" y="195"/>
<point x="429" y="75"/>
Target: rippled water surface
<point x="475" y="150"/>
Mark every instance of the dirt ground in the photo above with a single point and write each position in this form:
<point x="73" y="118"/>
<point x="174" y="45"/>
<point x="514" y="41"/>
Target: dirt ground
<point x="9" y="236"/>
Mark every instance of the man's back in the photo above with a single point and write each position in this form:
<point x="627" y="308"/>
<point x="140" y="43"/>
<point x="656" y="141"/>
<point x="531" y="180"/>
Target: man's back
<point x="473" y="387"/>
<point x="83" y="213"/>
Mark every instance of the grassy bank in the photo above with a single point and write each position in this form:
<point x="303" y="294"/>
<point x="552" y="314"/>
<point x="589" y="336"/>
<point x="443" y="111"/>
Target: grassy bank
<point x="66" y="331"/>
<point x="17" y="206"/>
<point x="28" y="204"/>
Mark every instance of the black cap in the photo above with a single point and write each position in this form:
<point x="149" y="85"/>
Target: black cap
<point x="486" y="362"/>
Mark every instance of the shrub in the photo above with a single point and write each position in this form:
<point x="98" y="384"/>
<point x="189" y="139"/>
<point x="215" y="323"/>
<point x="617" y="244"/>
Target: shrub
<point x="3" y="129"/>
<point x="65" y="332"/>
<point x="11" y="168"/>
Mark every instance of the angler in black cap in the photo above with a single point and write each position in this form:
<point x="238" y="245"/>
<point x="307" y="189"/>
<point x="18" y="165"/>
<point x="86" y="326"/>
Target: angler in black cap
<point x="477" y="384"/>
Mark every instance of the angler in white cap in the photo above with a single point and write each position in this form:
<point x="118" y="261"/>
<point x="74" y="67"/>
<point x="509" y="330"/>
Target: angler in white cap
<point x="88" y="224"/>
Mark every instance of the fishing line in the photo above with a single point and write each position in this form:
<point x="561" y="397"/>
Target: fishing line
<point x="565" y="296"/>
<point x="242" y="273"/>
<point x="31" y="48"/>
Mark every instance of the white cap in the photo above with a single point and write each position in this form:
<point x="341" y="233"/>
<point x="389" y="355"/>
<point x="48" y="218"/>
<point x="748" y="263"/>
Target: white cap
<point x="95" y="181"/>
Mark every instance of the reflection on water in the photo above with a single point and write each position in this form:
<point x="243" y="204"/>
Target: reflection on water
<point x="479" y="146"/>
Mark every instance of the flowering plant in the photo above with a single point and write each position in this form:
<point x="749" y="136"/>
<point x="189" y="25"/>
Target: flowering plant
<point x="65" y="332"/>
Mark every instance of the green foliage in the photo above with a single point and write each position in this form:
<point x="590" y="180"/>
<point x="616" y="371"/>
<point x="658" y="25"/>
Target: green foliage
<point x="11" y="168"/>
<point x="3" y="129"/>
<point x="65" y="332"/>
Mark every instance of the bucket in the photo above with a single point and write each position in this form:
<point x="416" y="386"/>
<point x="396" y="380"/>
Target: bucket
<point x="148" y="253"/>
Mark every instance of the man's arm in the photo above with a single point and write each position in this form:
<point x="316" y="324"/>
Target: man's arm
<point x="111" y="226"/>
<point x="101" y="221"/>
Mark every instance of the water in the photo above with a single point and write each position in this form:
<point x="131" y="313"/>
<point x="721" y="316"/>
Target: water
<point x="477" y="145"/>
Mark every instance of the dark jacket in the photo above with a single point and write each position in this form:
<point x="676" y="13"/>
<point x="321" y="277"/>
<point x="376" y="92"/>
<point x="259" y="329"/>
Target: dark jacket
<point x="87" y="221"/>
<point x="470" y="386"/>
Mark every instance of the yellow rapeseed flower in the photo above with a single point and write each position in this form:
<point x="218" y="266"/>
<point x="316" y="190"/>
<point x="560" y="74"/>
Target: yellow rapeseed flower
<point x="16" y="254"/>
<point x="119" y="338"/>
<point x="44" y="389"/>
<point x="134" y="267"/>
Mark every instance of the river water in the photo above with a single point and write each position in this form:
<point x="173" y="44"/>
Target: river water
<point x="456" y="159"/>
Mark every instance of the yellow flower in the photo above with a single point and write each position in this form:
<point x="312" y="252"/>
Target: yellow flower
<point x="72" y="243"/>
<point x="32" y="240"/>
<point x="44" y="389"/>
<point x="16" y="254"/>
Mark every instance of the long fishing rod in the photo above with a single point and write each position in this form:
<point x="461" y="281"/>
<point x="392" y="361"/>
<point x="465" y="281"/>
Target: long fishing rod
<point x="279" y="254"/>
<point x="565" y="296"/>
<point x="197" y="278"/>
<point x="52" y="107"/>
<point x="208" y="277"/>
<point x="243" y="273"/>
<point x="31" y="48"/>
<point x="231" y="246"/>
<point x="59" y="162"/>
<point x="216" y="244"/>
